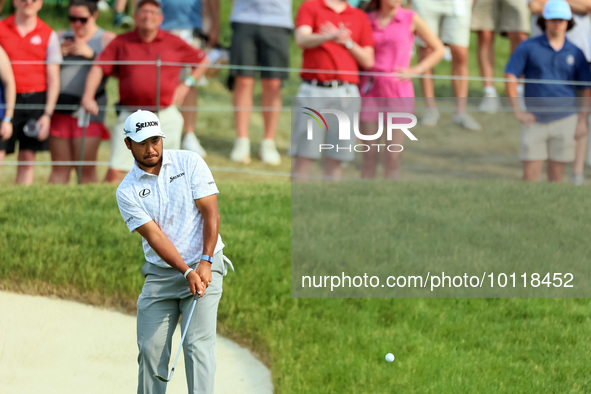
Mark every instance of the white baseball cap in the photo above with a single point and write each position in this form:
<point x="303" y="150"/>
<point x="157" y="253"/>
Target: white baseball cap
<point x="142" y="125"/>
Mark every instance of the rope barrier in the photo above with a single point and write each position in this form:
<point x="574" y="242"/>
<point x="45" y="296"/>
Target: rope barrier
<point x="229" y="108"/>
<point x="306" y="70"/>
<point x="106" y="163"/>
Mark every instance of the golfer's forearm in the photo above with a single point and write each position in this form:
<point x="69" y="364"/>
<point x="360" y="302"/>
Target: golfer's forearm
<point x="211" y="230"/>
<point x="167" y="252"/>
<point x="208" y="206"/>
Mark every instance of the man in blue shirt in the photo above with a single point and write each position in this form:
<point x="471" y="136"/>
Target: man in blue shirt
<point x="198" y="23"/>
<point x="551" y="125"/>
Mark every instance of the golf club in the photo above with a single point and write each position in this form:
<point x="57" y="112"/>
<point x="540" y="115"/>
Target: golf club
<point x="181" y="345"/>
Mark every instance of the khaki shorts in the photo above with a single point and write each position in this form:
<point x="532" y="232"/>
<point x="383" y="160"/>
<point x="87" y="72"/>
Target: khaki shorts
<point x="172" y="126"/>
<point x="502" y="16"/>
<point x="448" y="19"/>
<point x="554" y="140"/>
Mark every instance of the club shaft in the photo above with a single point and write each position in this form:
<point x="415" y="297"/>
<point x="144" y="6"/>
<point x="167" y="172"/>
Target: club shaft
<point x="183" y="336"/>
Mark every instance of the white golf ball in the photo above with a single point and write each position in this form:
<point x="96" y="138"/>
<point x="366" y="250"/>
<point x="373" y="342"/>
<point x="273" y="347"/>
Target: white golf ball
<point x="389" y="357"/>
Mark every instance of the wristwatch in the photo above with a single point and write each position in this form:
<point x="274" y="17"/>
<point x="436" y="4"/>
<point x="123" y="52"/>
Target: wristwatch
<point x="190" y="81"/>
<point x="349" y="44"/>
<point x="7" y="119"/>
<point x="207" y="258"/>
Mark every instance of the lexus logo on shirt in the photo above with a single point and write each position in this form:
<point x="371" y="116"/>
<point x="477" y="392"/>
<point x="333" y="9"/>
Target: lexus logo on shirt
<point x="144" y="193"/>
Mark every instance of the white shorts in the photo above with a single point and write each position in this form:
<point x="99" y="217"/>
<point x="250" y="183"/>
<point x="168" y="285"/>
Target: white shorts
<point x="448" y="19"/>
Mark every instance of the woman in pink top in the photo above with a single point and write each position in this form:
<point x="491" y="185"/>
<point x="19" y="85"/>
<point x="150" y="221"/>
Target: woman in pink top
<point x="394" y="30"/>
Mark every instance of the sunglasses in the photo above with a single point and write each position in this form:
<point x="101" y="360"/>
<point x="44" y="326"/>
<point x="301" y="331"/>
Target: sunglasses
<point x="74" y="19"/>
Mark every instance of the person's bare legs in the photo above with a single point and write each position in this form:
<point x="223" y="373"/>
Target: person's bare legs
<point x="580" y="155"/>
<point x="90" y="154"/>
<point x="516" y="38"/>
<point x="392" y="159"/>
<point x="120" y="18"/>
<point x="242" y="101"/>
<point x="555" y="171"/>
<point x="371" y="158"/>
<point x="120" y="5"/>
<point x="2" y="154"/>
<point x="532" y="169"/>
<point x="486" y="56"/>
<point x="427" y="85"/>
<point x="61" y="150"/>
<point x="190" y="113"/>
<point x="25" y="172"/>
<point x="333" y="170"/>
<point x="114" y="176"/>
<point x="459" y="68"/>
<point x="271" y="98"/>
<point x="301" y="169"/>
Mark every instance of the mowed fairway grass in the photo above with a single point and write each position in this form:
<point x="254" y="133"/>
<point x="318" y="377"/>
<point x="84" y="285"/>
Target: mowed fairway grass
<point x="72" y="242"/>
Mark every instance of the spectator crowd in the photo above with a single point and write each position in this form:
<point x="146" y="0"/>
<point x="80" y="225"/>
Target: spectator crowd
<point x="53" y="96"/>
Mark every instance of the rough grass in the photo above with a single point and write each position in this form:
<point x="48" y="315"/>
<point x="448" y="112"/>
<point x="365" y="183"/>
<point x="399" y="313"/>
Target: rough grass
<point x="71" y="241"/>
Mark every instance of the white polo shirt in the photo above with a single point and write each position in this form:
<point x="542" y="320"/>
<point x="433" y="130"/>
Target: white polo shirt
<point x="169" y="200"/>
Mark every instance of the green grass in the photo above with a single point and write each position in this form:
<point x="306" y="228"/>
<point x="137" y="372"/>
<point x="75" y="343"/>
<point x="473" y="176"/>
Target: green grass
<point x="384" y="229"/>
<point x="72" y="242"/>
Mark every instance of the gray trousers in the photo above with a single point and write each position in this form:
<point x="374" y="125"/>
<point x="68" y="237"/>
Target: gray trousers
<point x="166" y="296"/>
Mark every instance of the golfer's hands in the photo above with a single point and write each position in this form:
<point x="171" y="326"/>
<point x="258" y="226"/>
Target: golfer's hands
<point x="196" y="285"/>
<point x="527" y="118"/>
<point x="204" y="272"/>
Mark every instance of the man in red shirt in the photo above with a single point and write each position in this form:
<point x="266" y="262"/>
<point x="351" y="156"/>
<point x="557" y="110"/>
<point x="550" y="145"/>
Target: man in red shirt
<point x="29" y="44"/>
<point x="337" y="38"/>
<point x="138" y="86"/>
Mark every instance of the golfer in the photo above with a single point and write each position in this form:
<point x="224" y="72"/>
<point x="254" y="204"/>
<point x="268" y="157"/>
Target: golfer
<point x="169" y="197"/>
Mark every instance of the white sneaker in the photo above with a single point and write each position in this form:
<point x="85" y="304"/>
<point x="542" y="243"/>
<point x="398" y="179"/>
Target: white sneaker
<point x="241" y="151"/>
<point x="466" y="121"/>
<point x="190" y="142"/>
<point x="490" y="104"/>
<point x="430" y="117"/>
<point x="269" y="154"/>
<point x="127" y="23"/>
<point x="578" y="179"/>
